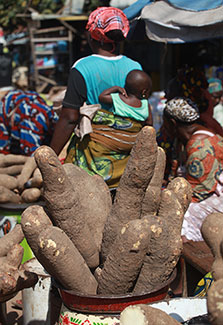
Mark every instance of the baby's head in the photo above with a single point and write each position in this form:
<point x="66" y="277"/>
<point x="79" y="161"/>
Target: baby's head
<point x="138" y="83"/>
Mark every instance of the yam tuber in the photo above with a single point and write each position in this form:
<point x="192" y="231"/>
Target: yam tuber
<point x="26" y="173"/>
<point x="212" y="232"/>
<point x="35" y="181"/>
<point x="183" y="191"/>
<point x="11" y="159"/>
<point x="13" y="170"/>
<point x="7" y="195"/>
<point x="13" y="277"/>
<point x="132" y="187"/>
<point x="34" y="220"/>
<point x="145" y="315"/>
<point x="152" y="196"/>
<point x="30" y="195"/>
<point x="165" y="246"/>
<point x="62" y="202"/>
<point x="125" y="258"/>
<point x="61" y="259"/>
<point x="8" y="181"/>
<point x="215" y="302"/>
<point x="15" y="236"/>
<point x="95" y="197"/>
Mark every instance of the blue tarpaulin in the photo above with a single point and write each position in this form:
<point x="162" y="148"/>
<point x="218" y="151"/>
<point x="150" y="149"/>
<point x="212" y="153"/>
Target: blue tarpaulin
<point x="135" y="9"/>
<point x="196" y="5"/>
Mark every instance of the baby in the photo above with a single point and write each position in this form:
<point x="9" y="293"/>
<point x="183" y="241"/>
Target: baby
<point x="132" y="100"/>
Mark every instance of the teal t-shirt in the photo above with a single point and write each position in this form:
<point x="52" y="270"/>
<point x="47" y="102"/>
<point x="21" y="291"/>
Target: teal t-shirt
<point x="125" y="110"/>
<point x="100" y="72"/>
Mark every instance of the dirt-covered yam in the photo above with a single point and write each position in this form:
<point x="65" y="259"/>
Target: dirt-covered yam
<point x="212" y="232"/>
<point x="133" y="184"/>
<point x="183" y="190"/>
<point x="13" y="277"/>
<point x="125" y="258"/>
<point x="215" y="302"/>
<point x="145" y="315"/>
<point x="8" y="196"/>
<point x="10" y="239"/>
<point x="96" y="195"/>
<point x="8" y="181"/>
<point x="152" y="196"/>
<point x="165" y="245"/>
<point x="62" y="260"/>
<point x="13" y="170"/>
<point x="30" y="195"/>
<point x="11" y="159"/>
<point x="34" y="220"/>
<point x="63" y="204"/>
<point x="26" y="173"/>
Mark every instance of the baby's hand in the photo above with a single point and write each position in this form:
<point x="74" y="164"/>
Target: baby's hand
<point x="122" y="91"/>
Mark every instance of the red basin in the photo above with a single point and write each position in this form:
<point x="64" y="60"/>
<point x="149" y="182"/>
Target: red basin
<point x="111" y="304"/>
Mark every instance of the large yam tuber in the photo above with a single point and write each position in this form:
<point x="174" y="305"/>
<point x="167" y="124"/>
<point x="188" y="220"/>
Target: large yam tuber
<point x="165" y="246"/>
<point x="212" y="232"/>
<point x="125" y="258"/>
<point x="145" y="315"/>
<point x="30" y="195"/>
<point x="62" y="202"/>
<point x="96" y="195"/>
<point x="61" y="259"/>
<point x="215" y="302"/>
<point x="8" y="181"/>
<point x="7" y="195"/>
<point x="132" y="187"/>
<point x="34" y="220"/>
<point x="152" y="196"/>
<point x="9" y="240"/>
<point x="26" y="173"/>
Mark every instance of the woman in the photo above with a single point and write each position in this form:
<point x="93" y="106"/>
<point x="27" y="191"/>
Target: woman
<point x="104" y="151"/>
<point x="204" y="151"/>
<point x="190" y="82"/>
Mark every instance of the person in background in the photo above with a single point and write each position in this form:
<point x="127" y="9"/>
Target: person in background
<point x="103" y="151"/>
<point x="191" y="83"/>
<point x="132" y="100"/>
<point x="216" y="90"/>
<point x="204" y="161"/>
<point x="26" y="122"/>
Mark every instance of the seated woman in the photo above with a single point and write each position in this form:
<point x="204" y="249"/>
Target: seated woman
<point x="204" y="151"/>
<point x="189" y="82"/>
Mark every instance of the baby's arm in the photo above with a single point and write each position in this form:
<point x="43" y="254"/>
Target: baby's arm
<point x="149" y="120"/>
<point x="105" y="96"/>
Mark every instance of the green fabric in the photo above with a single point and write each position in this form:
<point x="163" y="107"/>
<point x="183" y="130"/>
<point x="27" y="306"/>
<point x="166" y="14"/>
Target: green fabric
<point x="125" y="110"/>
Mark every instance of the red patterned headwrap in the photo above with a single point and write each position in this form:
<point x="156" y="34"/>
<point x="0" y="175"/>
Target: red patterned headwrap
<point x="106" y="19"/>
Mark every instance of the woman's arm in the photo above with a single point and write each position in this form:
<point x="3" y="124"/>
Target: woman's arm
<point x="75" y="96"/>
<point x="105" y="96"/>
<point x="64" y="128"/>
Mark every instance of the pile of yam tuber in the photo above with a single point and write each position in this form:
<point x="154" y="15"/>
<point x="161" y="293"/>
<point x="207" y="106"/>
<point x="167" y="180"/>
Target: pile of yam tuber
<point x="92" y="246"/>
<point x="20" y="179"/>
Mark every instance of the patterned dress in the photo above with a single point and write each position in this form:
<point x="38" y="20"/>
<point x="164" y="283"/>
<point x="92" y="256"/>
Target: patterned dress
<point x="26" y="122"/>
<point x="204" y="167"/>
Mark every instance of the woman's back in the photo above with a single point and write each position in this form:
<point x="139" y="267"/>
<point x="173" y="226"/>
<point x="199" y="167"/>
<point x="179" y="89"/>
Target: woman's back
<point x="101" y="72"/>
